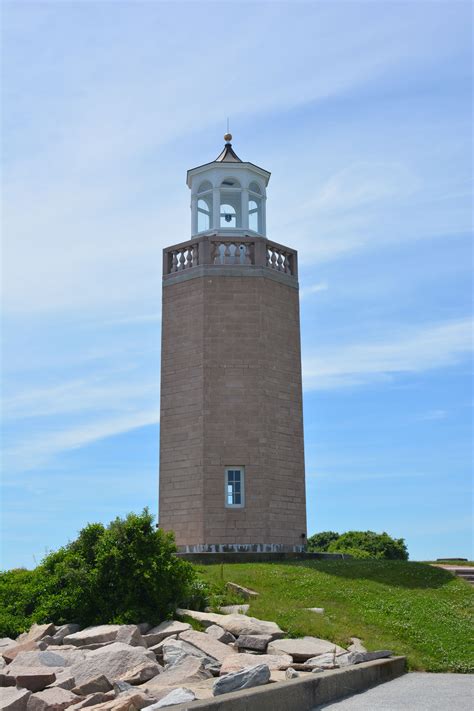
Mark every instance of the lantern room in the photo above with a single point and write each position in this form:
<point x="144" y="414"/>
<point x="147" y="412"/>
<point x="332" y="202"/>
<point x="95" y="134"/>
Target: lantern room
<point x="228" y="195"/>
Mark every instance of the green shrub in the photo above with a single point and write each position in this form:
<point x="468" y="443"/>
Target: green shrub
<point x="320" y="542"/>
<point x="377" y="545"/>
<point x="125" y="572"/>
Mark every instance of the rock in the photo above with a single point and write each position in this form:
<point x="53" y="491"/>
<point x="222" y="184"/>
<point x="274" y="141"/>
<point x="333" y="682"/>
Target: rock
<point x="130" y="634"/>
<point x="121" y="687"/>
<point x="235" y="624"/>
<point x="13" y="699"/>
<point x="237" y="662"/>
<point x="51" y="700"/>
<point x="63" y="631"/>
<point x="210" y="646"/>
<point x="2" y="663"/>
<point x="188" y="670"/>
<point x="220" y="634"/>
<point x="64" y="680"/>
<point x="177" y="696"/>
<point x="144" y="627"/>
<point x="246" y="593"/>
<point x="33" y="678"/>
<point x="7" y="642"/>
<point x="234" y="609"/>
<point x="158" y="648"/>
<point x="255" y="642"/>
<point x="114" y="661"/>
<point x="290" y="673"/>
<point x="6" y="680"/>
<point x="125" y="702"/>
<point x="93" y="635"/>
<point x="174" y="651"/>
<point x="359" y="657"/>
<point x="356" y="645"/>
<point x="94" y="699"/>
<point x="245" y="679"/>
<point x="38" y="659"/>
<point x="323" y="662"/>
<point x="318" y="610"/>
<point x="144" y="671"/>
<point x="166" y="629"/>
<point x="9" y="653"/>
<point x="302" y="649"/>
<point x="92" y="686"/>
<point x="36" y="632"/>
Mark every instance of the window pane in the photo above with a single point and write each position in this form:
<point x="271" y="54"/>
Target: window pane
<point x="237" y="498"/>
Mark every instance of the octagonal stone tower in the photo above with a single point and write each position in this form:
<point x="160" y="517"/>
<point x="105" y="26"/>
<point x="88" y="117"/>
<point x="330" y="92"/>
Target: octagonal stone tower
<point x="231" y="431"/>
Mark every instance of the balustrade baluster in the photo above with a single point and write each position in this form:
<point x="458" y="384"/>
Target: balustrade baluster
<point x="181" y="259"/>
<point x="273" y="259"/>
<point x="189" y="258"/>
<point x="174" y="261"/>
<point x="226" y="252"/>
<point x="280" y="261"/>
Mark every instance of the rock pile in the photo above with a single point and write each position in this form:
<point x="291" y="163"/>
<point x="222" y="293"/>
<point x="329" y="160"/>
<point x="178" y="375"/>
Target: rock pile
<point x="130" y="667"/>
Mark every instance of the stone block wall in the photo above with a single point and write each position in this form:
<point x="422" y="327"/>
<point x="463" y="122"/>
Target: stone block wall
<point x="231" y="396"/>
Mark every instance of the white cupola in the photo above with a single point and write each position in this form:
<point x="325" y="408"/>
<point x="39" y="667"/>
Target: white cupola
<point x="228" y="195"/>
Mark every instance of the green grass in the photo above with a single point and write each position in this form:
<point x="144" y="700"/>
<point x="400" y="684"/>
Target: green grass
<point x="412" y="609"/>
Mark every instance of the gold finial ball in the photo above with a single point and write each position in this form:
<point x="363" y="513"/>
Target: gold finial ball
<point x="227" y="137"/>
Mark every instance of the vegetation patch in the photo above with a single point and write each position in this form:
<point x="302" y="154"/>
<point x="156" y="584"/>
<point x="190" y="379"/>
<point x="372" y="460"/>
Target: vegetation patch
<point x="412" y="609"/>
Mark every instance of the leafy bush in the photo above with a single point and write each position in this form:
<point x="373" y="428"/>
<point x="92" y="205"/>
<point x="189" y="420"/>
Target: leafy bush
<point x="319" y="543"/>
<point x="377" y="545"/>
<point x="125" y="572"/>
<point x="359" y="544"/>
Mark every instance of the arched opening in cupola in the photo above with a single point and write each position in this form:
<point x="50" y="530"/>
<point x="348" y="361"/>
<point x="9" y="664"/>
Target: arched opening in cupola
<point x="204" y="206"/>
<point x="230" y="203"/>
<point x="255" y="208"/>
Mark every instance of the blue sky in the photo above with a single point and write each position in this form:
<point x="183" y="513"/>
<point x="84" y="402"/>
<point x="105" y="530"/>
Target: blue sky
<point x="362" y="112"/>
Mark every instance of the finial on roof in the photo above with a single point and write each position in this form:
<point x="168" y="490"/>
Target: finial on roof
<point x="227" y="137"/>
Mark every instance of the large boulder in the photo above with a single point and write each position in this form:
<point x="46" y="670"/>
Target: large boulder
<point x="125" y="702"/>
<point x="33" y="678"/>
<point x="302" y="649"/>
<point x="38" y="659"/>
<point x="185" y="672"/>
<point x="165" y="629"/>
<point x="254" y="642"/>
<point x="174" y="651"/>
<point x="13" y="699"/>
<point x="7" y="642"/>
<point x="9" y="653"/>
<point x="92" y="699"/>
<point x="130" y="634"/>
<point x="62" y="632"/>
<point x="235" y="624"/>
<point x="220" y="634"/>
<point x="246" y="593"/>
<point x="51" y="700"/>
<point x="36" y="632"/>
<point x="177" y="696"/>
<point x="211" y="647"/>
<point x="93" y="635"/>
<point x="92" y="686"/>
<point x="143" y="671"/>
<point x="245" y="679"/>
<point x="114" y="661"/>
<point x="237" y="662"/>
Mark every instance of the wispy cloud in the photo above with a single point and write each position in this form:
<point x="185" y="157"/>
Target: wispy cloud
<point x="35" y="451"/>
<point x="306" y="291"/>
<point x="409" y="351"/>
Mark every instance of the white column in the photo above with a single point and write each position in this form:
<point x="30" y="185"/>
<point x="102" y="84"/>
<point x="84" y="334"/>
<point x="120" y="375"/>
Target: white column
<point x="245" y="208"/>
<point x="216" y="208"/>
<point x="264" y="216"/>
<point x="194" y="215"/>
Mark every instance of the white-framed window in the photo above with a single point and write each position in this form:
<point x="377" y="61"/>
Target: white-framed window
<point x="234" y="487"/>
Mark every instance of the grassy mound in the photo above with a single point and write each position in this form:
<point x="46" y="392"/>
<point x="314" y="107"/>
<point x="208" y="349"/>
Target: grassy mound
<point x="411" y="608"/>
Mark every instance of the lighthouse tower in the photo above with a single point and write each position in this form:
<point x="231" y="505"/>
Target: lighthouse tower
<point x="231" y="429"/>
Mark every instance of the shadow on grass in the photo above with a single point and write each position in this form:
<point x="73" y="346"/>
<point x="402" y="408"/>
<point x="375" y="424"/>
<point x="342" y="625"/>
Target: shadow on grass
<point x="388" y="572"/>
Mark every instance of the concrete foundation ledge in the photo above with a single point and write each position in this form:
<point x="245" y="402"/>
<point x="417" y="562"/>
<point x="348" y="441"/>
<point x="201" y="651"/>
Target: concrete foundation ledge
<point x="252" y="557"/>
<point x="304" y="694"/>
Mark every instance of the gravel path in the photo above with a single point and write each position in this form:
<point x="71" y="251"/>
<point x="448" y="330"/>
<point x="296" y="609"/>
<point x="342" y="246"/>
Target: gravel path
<point x="413" y="692"/>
